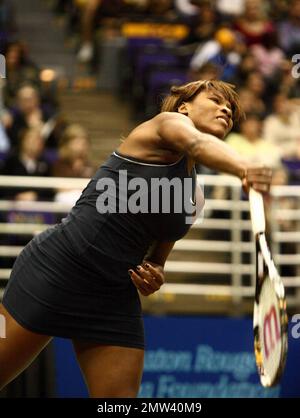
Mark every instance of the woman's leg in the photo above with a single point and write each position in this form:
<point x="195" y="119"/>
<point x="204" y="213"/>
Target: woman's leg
<point x="110" y="371"/>
<point x="18" y="347"/>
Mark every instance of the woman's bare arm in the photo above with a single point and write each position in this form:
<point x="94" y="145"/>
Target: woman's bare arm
<point x="159" y="251"/>
<point x="178" y="132"/>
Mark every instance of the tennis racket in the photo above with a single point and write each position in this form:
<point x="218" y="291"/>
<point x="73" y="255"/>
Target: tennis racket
<point x="270" y="322"/>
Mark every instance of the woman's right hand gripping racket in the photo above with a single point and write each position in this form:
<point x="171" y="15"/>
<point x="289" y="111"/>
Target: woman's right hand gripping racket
<point x="270" y="321"/>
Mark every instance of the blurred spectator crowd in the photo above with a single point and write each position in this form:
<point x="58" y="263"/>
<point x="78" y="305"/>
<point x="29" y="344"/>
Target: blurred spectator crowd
<point x="253" y="44"/>
<point x="35" y="140"/>
<point x="152" y="45"/>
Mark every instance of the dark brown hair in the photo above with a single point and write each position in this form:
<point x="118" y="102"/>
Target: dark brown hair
<point x="187" y="92"/>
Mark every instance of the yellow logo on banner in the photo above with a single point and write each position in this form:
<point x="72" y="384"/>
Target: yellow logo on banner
<point x="154" y="30"/>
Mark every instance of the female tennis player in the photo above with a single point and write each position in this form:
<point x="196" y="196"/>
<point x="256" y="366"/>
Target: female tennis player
<point x="79" y="279"/>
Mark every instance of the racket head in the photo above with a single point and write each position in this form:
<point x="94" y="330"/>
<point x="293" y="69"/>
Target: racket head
<point x="270" y="322"/>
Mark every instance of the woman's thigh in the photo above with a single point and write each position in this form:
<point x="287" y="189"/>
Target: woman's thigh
<point x="110" y="371"/>
<point x="18" y="347"/>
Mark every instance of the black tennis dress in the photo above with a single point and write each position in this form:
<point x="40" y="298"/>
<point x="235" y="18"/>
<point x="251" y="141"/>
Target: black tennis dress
<point x="72" y="280"/>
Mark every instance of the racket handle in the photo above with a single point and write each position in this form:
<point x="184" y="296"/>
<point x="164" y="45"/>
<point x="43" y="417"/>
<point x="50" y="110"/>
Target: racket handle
<point x="257" y="211"/>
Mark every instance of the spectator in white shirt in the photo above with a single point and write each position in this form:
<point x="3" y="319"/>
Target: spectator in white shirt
<point x="282" y="128"/>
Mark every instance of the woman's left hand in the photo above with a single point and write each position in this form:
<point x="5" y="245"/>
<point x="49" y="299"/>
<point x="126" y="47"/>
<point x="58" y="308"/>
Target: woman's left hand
<point x="148" y="277"/>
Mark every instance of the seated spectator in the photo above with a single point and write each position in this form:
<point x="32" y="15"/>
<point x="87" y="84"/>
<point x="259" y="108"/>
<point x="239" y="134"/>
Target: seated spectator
<point x="250" y="143"/>
<point x="246" y="67"/>
<point x="27" y="160"/>
<point x="282" y="128"/>
<point x="289" y="30"/>
<point x="269" y="57"/>
<point x="250" y="103"/>
<point x="74" y="148"/>
<point x="19" y="69"/>
<point x="254" y="23"/>
<point x="30" y="114"/>
<point x="73" y="161"/>
<point x="287" y="83"/>
<point x="204" y="24"/>
<point x="223" y="51"/>
<point x="257" y="85"/>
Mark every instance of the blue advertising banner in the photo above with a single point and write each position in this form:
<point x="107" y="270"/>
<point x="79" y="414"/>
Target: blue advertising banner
<point x="193" y="357"/>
